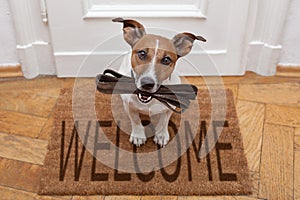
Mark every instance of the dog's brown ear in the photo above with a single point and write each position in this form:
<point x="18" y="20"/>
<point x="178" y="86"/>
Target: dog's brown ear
<point x="183" y="42"/>
<point x="133" y="30"/>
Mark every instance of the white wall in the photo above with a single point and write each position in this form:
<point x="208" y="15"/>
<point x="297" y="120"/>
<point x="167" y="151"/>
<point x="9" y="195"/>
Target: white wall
<point x="8" y="54"/>
<point x="290" y="55"/>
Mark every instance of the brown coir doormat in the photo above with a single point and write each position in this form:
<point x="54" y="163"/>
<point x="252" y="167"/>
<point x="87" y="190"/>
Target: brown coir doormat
<point x="71" y="169"/>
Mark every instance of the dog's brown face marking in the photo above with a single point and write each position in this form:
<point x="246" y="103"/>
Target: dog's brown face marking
<point x="154" y="53"/>
<point x="154" y="57"/>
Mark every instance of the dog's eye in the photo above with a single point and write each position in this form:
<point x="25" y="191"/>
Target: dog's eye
<point x="166" y="60"/>
<point x="142" y="54"/>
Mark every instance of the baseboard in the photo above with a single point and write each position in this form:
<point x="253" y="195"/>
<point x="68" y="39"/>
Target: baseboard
<point x="288" y="71"/>
<point x="11" y="71"/>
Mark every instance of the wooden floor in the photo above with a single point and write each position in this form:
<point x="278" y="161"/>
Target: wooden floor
<point x="268" y="110"/>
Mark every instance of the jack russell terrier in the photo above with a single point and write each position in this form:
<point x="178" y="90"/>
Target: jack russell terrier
<point x="151" y="63"/>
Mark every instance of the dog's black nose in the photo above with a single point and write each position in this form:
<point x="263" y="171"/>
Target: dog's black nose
<point x="147" y="83"/>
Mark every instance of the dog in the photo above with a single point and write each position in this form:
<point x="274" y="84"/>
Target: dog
<point x="151" y="63"/>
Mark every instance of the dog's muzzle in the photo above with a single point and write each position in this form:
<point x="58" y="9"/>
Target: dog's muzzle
<point x="148" y="85"/>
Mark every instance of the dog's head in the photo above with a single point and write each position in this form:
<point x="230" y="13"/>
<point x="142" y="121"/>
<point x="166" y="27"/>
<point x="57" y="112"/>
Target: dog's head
<point x="154" y="57"/>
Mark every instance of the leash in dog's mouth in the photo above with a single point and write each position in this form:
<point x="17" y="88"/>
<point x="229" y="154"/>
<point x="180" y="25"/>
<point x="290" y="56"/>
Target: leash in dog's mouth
<point x="178" y="96"/>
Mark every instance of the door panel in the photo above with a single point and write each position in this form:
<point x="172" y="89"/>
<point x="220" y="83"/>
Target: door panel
<point x="81" y="30"/>
<point x="136" y="8"/>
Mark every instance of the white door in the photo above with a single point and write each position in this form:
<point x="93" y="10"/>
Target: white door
<point x="85" y="40"/>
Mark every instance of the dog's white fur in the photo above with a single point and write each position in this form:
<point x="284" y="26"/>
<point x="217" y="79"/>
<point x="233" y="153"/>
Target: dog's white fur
<point x="157" y="111"/>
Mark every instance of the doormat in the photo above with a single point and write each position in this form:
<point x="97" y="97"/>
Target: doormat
<point x="89" y="152"/>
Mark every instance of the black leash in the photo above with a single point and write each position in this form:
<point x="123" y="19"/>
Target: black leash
<point x="178" y="95"/>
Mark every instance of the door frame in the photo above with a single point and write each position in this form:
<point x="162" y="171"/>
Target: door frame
<point x="262" y="38"/>
<point x="264" y="35"/>
<point x="33" y="37"/>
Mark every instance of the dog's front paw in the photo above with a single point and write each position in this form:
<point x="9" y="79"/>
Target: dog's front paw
<point x="161" y="139"/>
<point x="138" y="136"/>
<point x="138" y="141"/>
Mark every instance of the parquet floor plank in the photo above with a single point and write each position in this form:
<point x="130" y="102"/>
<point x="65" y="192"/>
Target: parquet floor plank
<point x="277" y="163"/>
